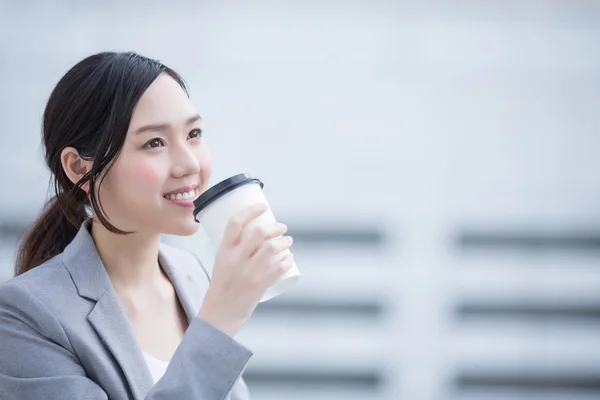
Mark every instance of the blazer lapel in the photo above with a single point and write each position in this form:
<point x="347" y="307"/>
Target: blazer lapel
<point x="111" y="324"/>
<point x="107" y="317"/>
<point x="189" y="292"/>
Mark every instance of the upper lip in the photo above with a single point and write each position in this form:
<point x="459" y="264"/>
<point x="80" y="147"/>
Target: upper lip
<point x="183" y="189"/>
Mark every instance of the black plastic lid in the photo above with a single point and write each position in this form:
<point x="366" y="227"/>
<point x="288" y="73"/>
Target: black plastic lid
<point x="221" y="189"/>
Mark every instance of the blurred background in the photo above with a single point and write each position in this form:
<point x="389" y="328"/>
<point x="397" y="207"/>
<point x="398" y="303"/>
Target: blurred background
<point x="437" y="164"/>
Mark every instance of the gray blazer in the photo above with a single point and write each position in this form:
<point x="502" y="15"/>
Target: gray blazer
<point x="64" y="335"/>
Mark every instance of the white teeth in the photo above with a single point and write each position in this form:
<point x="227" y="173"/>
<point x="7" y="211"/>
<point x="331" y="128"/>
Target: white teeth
<point x="182" y="196"/>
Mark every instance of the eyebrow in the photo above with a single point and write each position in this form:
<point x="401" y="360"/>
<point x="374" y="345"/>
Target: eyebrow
<point x="164" y="127"/>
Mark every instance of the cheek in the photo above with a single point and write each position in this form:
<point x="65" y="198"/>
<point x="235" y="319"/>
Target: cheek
<point x="131" y="183"/>
<point x="146" y="174"/>
<point x="139" y="175"/>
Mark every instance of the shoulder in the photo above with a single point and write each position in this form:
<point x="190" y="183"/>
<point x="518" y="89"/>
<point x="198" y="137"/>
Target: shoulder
<point x="33" y="297"/>
<point x="45" y="282"/>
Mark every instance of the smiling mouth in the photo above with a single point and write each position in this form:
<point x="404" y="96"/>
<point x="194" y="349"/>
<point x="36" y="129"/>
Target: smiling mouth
<point x="191" y="195"/>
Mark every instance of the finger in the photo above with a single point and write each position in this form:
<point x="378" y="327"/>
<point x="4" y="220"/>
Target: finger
<point x="255" y="239"/>
<point x="238" y="222"/>
<point x="272" y="247"/>
<point x="280" y="269"/>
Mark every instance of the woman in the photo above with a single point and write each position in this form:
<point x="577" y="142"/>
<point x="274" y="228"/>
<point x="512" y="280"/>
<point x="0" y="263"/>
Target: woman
<point x="99" y="308"/>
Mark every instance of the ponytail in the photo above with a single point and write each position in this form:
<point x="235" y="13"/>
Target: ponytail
<point x="54" y="229"/>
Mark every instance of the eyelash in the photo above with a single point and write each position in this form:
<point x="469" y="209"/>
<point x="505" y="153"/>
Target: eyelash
<point x="198" y="136"/>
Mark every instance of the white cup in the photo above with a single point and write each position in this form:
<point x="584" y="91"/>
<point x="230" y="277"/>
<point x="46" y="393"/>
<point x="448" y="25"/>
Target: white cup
<point x="217" y="205"/>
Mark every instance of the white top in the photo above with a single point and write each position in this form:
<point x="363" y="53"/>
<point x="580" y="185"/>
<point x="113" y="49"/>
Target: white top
<point x="157" y="367"/>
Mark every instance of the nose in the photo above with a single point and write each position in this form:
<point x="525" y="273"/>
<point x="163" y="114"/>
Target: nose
<point x="185" y="162"/>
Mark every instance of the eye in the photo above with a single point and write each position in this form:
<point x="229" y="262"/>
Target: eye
<point x="195" y="133"/>
<point x="154" y="143"/>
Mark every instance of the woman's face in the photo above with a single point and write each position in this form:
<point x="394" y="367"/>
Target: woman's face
<point x="164" y="165"/>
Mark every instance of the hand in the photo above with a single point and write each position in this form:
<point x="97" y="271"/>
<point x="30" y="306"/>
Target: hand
<point x="244" y="269"/>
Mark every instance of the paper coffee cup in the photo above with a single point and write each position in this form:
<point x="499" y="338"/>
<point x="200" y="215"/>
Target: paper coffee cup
<point x="217" y="205"/>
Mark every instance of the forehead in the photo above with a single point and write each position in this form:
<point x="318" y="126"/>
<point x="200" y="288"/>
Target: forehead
<point x="163" y="102"/>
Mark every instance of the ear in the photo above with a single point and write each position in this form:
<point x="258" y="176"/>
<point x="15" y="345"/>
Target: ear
<point x="75" y="166"/>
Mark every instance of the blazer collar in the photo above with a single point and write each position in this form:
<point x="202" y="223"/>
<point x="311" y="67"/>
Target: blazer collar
<point x="91" y="279"/>
<point x="108" y="316"/>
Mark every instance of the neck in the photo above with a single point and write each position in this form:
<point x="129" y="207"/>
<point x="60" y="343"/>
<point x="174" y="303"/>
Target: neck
<point x="130" y="260"/>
